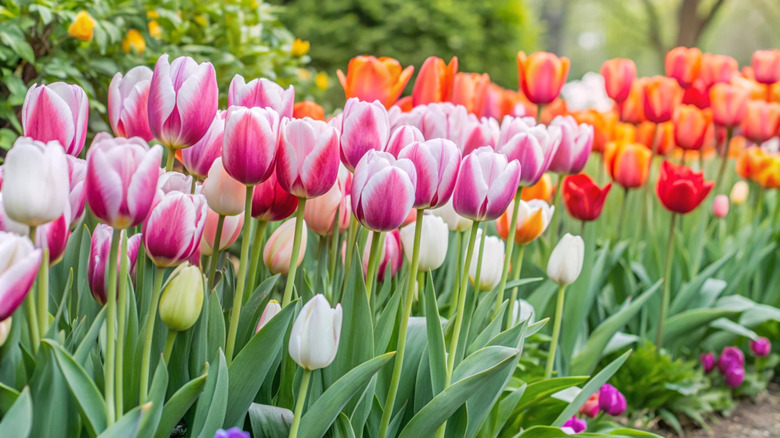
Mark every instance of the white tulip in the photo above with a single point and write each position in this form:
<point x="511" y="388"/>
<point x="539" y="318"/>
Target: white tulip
<point x="565" y="261"/>
<point x="5" y="329"/>
<point x="271" y="309"/>
<point x="523" y="310"/>
<point x="314" y="339"/>
<point x="492" y="262"/>
<point x="433" y="242"/>
<point x="36" y="184"/>
<point x="455" y="222"/>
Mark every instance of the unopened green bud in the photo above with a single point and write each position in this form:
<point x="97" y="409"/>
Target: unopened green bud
<point x="182" y="299"/>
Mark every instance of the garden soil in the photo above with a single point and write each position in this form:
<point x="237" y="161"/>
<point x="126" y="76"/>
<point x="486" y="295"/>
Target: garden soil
<point x="750" y="419"/>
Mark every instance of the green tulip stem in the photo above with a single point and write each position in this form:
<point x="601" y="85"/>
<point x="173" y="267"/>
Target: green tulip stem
<point x="351" y="238"/>
<point x="296" y="424"/>
<point x="454" y="296"/>
<point x="510" y="242"/>
<point x="333" y="253"/>
<point x="622" y="216"/>
<point x="387" y="413"/>
<point x="32" y="315"/>
<point x="539" y="108"/>
<point x="151" y="317"/>
<point x="557" y="214"/>
<point x="121" y="326"/>
<point x="515" y="277"/>
<point x="238" y="298"/>
<point x="373" y="262"/>
<point x="296" y="249"/>
<point x="724" y="158"/>
<point x="171" y="156"/>
<point x="659" y="336"/>
<point x="110" y="356"/>
<point x="254" y="260"/>
<point x="556" y="332"/>
<point x="43" y="294"/>
<point x="169" y="345"/>
<point x="215" y="251"/>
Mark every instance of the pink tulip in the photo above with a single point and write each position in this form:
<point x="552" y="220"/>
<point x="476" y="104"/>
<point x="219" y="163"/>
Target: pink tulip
<point x="182" y="101"/>
<point x="77" y="170"/>
<point x="443" y="120"/>
<point x="54" y="236"/>
<point x="224" y="194"/>
<point x="401" y="137"/>
<point x="321" y="211"/>
<point x="99" y="250"/>
<point x="278" y="249"/>
<point x="231" y="229"/>
<point x="734" y="376"/>
<point x="174" y="228"/>
<point x="271" y="309"/>
<point x="391" y="255"/>
<point x="383" y="191"/>
<point x="511" y="126"/>
<point x="534" y="149"/>
<point x="364" y="127"/>
<point x="576" y="144"/>
<point x="399" y="118"/>
<point x="766" y="66"/>
<point x="122" y="179"/>
<point x="198" y="158"/>
<point x="308" y="158"/>
<point x="261" y="93"/>
<point x="436" y="164"/>
<point x="720" y="206"/>
<point x="477" y="133"/>
<point x="249" y="144"/>
<point x="707" y="362"/>
<point x="57" y="111"/>
<point x="19" y="264"/>
<point x="486" y="185"/>
<point x="270" y="202"/>
<point x="128" y="102"/>
<point x="174" y="182"/>
<point x="761" y="347"/>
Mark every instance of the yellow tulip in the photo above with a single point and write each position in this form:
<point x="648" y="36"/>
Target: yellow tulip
<point x="82" y="26"/>
<point x="321" y="80"/>
<point x="154" y="29"/>
<point x="299" y="48"/>
<point x="133" y="40"/>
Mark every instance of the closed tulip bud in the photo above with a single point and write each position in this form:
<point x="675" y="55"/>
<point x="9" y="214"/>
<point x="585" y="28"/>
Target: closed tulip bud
<point x="443" y="120"/>
<point x="610" y="400"/>
<point x="434" y="81"/>
<point x="365" y="126"/>
<point x="583" y="198"/>
<point x="174" y="228"/>
<point x="128" y="100"/>
<point x="541" y="75"/>
<point x="231" y="229"/>
<point x="321" y="211"/>
<point x="182" y="101"/>
<point x="315" y="334"/>
<point x="270" y="202"/>
<point x="436" y="165"/>
<point x="5" y="330"/>
<point x="739" y="193"/>
<point x="720" y="207"/>
<point x="433" y="242"/>
<point x="83" y="26"/>
<point x="309" y="109"/>
<point x="308" y="157"/>
<point x="684" y="64"/>
<point x="766" y="66"/>
<point x="454" y="221"/>
<point x="224" y="194"/>
<point x="486" y="184"/>
<point x="533" y="217"/>
<point x="476" y="133"/>
<point x="469" y="90"/>
<point x="57" y="111"/>
<point x="680" y="189"/>
<point x="279" y="247"/>
<point x="390" y="255"/>
<point x="717" y="69"/>
<point x="728" y="103"/>
<point x="575" y="147"/>
<point x="19" y="267"/>
<point x="182" y="299"/>
<point x="99" y="252"/>
<point x="249" y="143"/>
<point x="761" y="120"/>
<point x="619" y="74"/>
<point x="761" y="347"/>
<point x="691" y="126"/>
<point x="707" y="362"/>
<point x="369" y="78"/>
<point x="383" y="191"/>
<point x="401" y="137"/>
<point x="511" y="126"/>
<point x="661" y="96"/>
<point x="122" y="179"/>
<point x="261" y="93"/>
<point x="734" y="376"/>
<point x="35" y="182"/>
<point x="198" y="158"/>
<point x="492" y="263"/>
<point x="534" y="150"/>
<point x="627" y="163"/>
<point x="575" y="424"/>
<point x="730" y="357"/>
<point x="565" y="261"/>
<point x="591" y="407"/>
<point x="271" y="309"/>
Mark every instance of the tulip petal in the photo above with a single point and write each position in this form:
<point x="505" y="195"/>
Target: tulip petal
<point x="15" y="282"/>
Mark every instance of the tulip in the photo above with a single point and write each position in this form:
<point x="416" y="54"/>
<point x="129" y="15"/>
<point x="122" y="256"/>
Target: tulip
<point x="279" y="247"/>
<point x="198" y="158"/>
<point x="575" y="424"/>
<point x="433" y="243"/>
<point x="436" y="165"/>
<point x="321" y="211"/>
<point x="761" y="121"/>
<point x="261" y="93"/>
<point x="309" y="109"/>
<point x="532" y="220"/>
<point x="233" y="432"/>
<point x="383" y="191"/>
<point x="270" y="202"/>
<point x="121" y="180"/>
<point x="766" y="66"/>
<point x="720" y="207"/>
<point x="476" y="133"/>
<point x="391" y="255"/>
<point x="369" y="78"/>
<point x="734" y="376"/>
<point x="9" y="225"/>
<point x="182" y="101"/>
<point x="224" y="194"/>
<point x="492" y="263"/>
<point x="565" y="261"/>
<point x="308" y="157"/>
<point x="690" y="127"/>
<point x="659" y="136"/>
<point x="469" y="90"/>
<point x="542" y="190"/>
<point x="680" y="189"/>
<point x="751" y="162"/>
<point x="591" y="406"/>
<point x="365" y="126"/>
<point x="173" y="182"/>
<point x="683" y="64"/>
<point x="443" y="120"/>
<point x="697" y="95"/>
<point x="314" y="338"/>
<point x="619" y="74"/>
<point x="584" y="200"/>
<point x="271" y="309"/>
<point x="401" y="137"/>
<point x="603" y="124"/>
<point x="729" y="104"/>
<point x="249" y="144"/>
<point x="182" y="299"/>
<point x="575" y="147"/>
<point x="82" y="27"/>
<point x="627" y="163"/>
<point x="486" y="185"/>
<point x="761" y="347"/>
<point x="174" y="228"/>
<point x="730" y="357"/>
<point x="128" y="98"/>
<point x="632" y="110"/>
<point x="36" y="187"/>
<point x="511" y="126"/>
<point x="707" y="362"/>
<point x="523" y="311"/>
<point x="454" y="221"/>
<point x="54" y="236"/>
<point x="661" y="96"/>
<point x="739" y="193"/>
<point x="77" y="170"/>
<point x="434" y="81"/>
<point x="534" y="150"/>
<point x="768" y="177"/>
<point x="5" y="330"/>
<point x="717" y="69"/>
<point x="541" y="75"/>
<point x="56" y="112"/>
<point x="611" y="400"/>
<point x="231" y="229"/>
<point x="19" y="267"/>
<point x="99" y="250"/>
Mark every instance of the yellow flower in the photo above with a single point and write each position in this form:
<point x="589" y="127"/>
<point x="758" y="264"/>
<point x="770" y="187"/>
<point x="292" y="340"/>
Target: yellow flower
<point x="321" y="80"/>
<point x="304" y="74"/>
<point x="154" y="29"/>
<point x="152" y="14"/>
<point x="202" y="20"/>
<point x="299" y="48"/>
<point x="134" y="40"/>
<point x="82" y="26"/>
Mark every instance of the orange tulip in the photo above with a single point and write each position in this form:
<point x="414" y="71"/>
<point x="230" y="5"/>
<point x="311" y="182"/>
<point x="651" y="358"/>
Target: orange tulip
<point x="664" y="136"/>
<point x="619" y="74"/>
<point x="627" y="163"/>
<point x="683" y="64"/>
<point x="751" y="162"/>
<point x="497" y="103"/>
<point x="469" y="90"/>
<point x="434" y="81"/>
<point x="625" y="132"/>
<point x="766" y="66"/>
<point x="541" y="75"/>
<point x="553" y="110"/>
<point x="307" y="108"/>
<point x="603" y="126"/>
<point x="632" y="109"/>
<point x="82" y="26"/>
<point x="533" y="217"/>
<point x="133" y="40"/>
<point x="370" y="78"/>
<point x="761" y="120"/>
<point x="728" y="103"/>
<point x="774" y="93"/>
<point x="690" y="126"/>
<point x="543" y="189"/>
<point x="661" y="96"/>
<point x="717" y="68"/>
<point x="405" y="103"/>
<point x="769" y="175"/>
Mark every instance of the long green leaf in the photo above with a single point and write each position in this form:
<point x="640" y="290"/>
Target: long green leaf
<point x="270" y="421"/>
<point x="17" y="422"/>
<point x="157" y="397"/>
<point x="542" y="389"/>
<point x="436" y="349"/>
<point x="210" y="412"/>
<point x="178" y="405"/>
<point x="129" y="425"/>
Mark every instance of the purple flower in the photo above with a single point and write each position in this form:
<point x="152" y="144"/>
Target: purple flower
<point x="231" y="433"/>
<point x="730" y="357"/>
<point x="761" y="347"/>
<point x="708" y="362"/>
<point x="611" y="400"/>
<point x="576" y="425"/>
<point x="734" y="376"/>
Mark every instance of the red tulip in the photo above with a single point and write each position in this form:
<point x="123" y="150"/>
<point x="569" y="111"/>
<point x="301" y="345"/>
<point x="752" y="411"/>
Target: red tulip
<point x="698" y="94"/>
<point x="683" y="64"/>
<point x="308" y="158"/>
<point x="680" y="189"/>
<point x="541" y="75"/>
<point x="583" y="199"/>
<point x="271" y="203"/>
<point x="619" y="74"/>
<point x="434" y="81"/>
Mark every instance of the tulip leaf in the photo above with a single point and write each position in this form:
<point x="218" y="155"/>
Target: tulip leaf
<point x="157" y="397"/>
<point x="324" y="411"/>
<point x="542" y="389"/>
<point x="436" y="348"/>
<point x="129" y="425"/>
<point x="178" y="405"/>
<point x="216" y="325"/>
<point x="521" y="282"/>
<point x="684" y="322"/>
<point x="17" y="422"/>
<point x="342" y="428"/>
<point x="688" y="291"/>
<point x="88" y="343"/>
<point x="254" y="361"/>
<point x="386" y="322"/>
<point x="251" y="309"/>
<point x="505" y="408"/>
<point x="8" y="396"/>
<point x="270" y="421"/>
<point x="210" y="411"/>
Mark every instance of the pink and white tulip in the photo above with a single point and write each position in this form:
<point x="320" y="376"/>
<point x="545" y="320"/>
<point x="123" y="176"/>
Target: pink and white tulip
<point x="271" y="309"/>
<point x="270" y="202"/>
<point x="443" y="120"/>
<point x="478" y="132"/>
<point x="249" y="143"/>
<point x="534" y="149"/>
<point x="383" y="191"/>
<point x="576" y="145"/>
<point x="436" y="164"/>
<point x="19" y="264"/>
<point x="53" y="235"/>
<point x="224" y="194"/>
<point x="486" y="185"/>
<point x="510" y="126"/>
<point x="174" y="228"/>
<point x="182" y="101"/>
<point x="261" y="93"/>
<point x="391" y="254"/>
<point x="231" y="229"/>
<point x="77" y="170"/>
<point x="174" y="182"/>
<point x="364" y="127"/>
<point x="401" y="137"/>
<point x="198" y="158"/>
<point x="99" y="250"/>
<point x="57" y="111"/>
<point x="307" y="163"/>
<point x="279" y="247"/>
<point x="128" y="103"/>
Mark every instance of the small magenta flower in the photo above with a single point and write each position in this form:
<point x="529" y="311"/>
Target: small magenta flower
<point x="436" y="164"/>
<point x="486" y="184"/>
<point x="734" y="376"/>
<point x="261" y="93"/>
<point x="761" y="347"/>
<point x="611" y="400"/>
<point x="730" y="357"/>
<point x="383" y="191"/>
<point x="707" y="362"/>
<point x="364" y="127"/>
<point x="576" y="425"/>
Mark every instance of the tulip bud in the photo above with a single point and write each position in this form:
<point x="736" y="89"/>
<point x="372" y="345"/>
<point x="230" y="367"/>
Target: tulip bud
<point x="128" y="100"/>
<point x="591" y="406"/>
<point x="308" y="157"/>
<point x="720" y="207"/>
<point x="433" y="242"/>
<point x="730" y="357"/>
<point x="270" y="202"/>
<point x="224" y="194"/>
<point x="279" y="247"/>
<point x="766" y="66"/>
<point x="454" y="221"/>
<point x="565" y="261"/>
<point x="198" y="158"/>
<point x="523" y="311"/>
<point x="365" y="126"/>
<point x="261" y="93"/>
<point x="575" y="424"/>
<point x="541" y="75"/>
<point x="483" y="195"/>
<point x="370" y="78"/>
<point x="174" y="228"/>
<point x="20" y="264"/>
<point x="5" y="330"/>
<point x="707" y="362"/>
<point x="231" y="229"/>
<point x="761" y="347"/>
<point x="321" y="211"/>
<point x="314" y="338"/>
<point x="532" y="219"/>
<point x="99" y="252"/>
<point x="182" y="299"/>
<point x="57" y="112"/>
<point x="492" y="263"/>
<point x="611" y="400"/>
<point x="271" y="309"/>
<point x="249" y="143"/>
<point x="618" y="75"/>
<point x="739" y="193"/>
<point x="734" y="376"/>
<point x="383" y="191"/>
<point x="434" y="81"/>
<point x="401" y="137"/>
<point x="436" y="165"/>
<point x="389" y="255"/>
